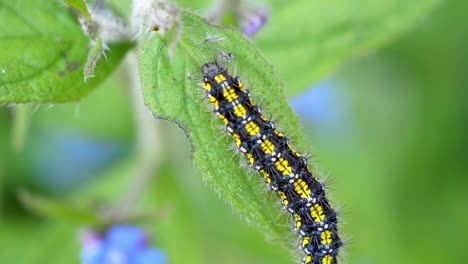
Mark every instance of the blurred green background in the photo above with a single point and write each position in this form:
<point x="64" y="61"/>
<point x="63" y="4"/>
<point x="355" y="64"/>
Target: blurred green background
<point x="390" y="135"/>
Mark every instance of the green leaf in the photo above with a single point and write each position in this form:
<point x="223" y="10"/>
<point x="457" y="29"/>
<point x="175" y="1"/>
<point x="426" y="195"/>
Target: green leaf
<point x="80" y="7"/>
<point x="171" y="91"/>
<point x="43" y="52"/>
<point x="306" y="39"/>
<point x="90" y="27"/>
<point x="58" y="210"/>
<point x="95" y="54"/>
<point x="38" y="242"/>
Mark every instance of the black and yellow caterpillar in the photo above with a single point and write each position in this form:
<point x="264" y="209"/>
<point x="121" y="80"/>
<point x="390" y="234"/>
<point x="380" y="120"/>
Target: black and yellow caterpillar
<point x="285" y="170"/>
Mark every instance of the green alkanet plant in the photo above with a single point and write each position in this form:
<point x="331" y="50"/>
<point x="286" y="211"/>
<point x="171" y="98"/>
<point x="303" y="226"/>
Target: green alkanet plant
<point x="53" y="52"/>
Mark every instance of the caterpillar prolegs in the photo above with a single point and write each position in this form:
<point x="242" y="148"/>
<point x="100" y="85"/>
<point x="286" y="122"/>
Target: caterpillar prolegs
<point x="285" y="170"/>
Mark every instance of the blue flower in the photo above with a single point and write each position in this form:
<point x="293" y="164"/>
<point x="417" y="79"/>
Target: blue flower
<point x="121" y="244"/>
<point x="254" y="20"/>
<point x="150" y="256"/>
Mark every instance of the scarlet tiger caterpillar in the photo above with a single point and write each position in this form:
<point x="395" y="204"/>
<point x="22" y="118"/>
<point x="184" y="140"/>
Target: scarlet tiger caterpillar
<point x="284" y="169"/>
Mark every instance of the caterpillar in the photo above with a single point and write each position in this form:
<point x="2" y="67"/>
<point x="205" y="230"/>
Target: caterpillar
<point x="285" y="170"/>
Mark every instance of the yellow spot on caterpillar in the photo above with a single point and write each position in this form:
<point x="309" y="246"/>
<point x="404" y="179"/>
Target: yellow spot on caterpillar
<point x="295" y="152"/>
<point x="266" y="176"/>
<point x="297" y="220"/>
<point x="226" y="122"/>
<point x="237" y="138"/>
<point x="301" y="188"/>
<point x="279" y="133"/>
<point x="327" y="259"/>
<point x="214" y="101"/>
<point x="230" y="94"/>
<point x="267" y="146"/>
<point x="252" y="128"/>
<point x="317" y="213"/>
<point x="283" y="166"/>
<point x="219" y="78"/>
<point x="305" y="241"/>
<point x="250" y="158"/>
<point x="239" y="110"/>
<point x="241" y="85"/>
<point x="308" y="259"/>
<point x="326" y="237"/>
<point x="207" y="86"/>
<point x="284" y="199"/>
